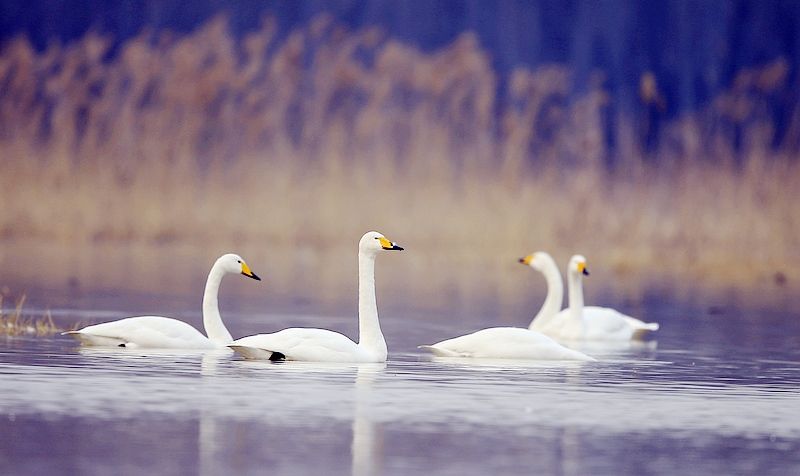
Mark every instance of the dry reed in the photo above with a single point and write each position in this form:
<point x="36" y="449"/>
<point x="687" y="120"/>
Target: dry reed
<point x="330" y="132"/>
<point x="16" y="322"/>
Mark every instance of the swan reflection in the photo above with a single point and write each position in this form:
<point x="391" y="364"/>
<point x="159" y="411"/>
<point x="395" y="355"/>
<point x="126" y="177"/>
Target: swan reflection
<point x="347" y="388"/>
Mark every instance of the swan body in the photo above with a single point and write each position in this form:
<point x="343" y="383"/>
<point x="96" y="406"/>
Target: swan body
<point x="320" y="345"/>
<point x="505" y="343"/>
<point x="143" y="331"/>
<point x="304" y="344"/>
<point x="599" y="324"/>
<point x="168" y="333"/>
<point x="578" y="322"/>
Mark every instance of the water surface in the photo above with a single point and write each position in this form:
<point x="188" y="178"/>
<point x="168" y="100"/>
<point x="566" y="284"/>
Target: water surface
<point x="716" y="393"/>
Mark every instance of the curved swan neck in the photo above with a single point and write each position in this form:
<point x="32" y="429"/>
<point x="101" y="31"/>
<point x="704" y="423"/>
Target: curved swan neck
<point x="370" y="336"/>
<point x="554" y="298"/>
<point x="212" y="321"/>
<point x="575" y="285"/>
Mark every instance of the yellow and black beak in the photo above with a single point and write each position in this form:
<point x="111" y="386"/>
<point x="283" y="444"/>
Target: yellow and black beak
<point x="389" y="245"/>
<point x="526" y="260"/>
<point x="246" y="271"/>
<point x="583" y="269"/>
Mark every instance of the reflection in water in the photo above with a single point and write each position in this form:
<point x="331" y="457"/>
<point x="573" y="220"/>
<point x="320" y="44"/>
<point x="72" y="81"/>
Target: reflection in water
<point x="210" y="363"/>
<point x="136" y="357"/>
<point x="367" y="446"/>
<point x="208" y="442"/>
<point x="492" y="365"/>
<point x="611" y="349"/>
<point x="366" y="443"/>
<point x="211" y="432"/>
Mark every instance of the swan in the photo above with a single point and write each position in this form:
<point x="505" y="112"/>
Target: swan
<point x="321" y="345"/>
<point x="505" y="343"/>
<point x="516" y="342"/>
<point x="168" y="333"/>
<point x="577" y="322"/>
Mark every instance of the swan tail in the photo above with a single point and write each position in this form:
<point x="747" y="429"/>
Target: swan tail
<point x="575" y="355"/>
<point x="254" y="353"/>
<point x="644" y="330"/>
<point x="440" y="351"/>
<point x="96" y="340"/>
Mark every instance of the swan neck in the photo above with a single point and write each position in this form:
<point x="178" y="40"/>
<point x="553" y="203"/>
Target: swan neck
<point x="370" y="336"/>
<point x="212" y="321"/>
<point x="553" y="300"/>
<point x="575" y="285"/>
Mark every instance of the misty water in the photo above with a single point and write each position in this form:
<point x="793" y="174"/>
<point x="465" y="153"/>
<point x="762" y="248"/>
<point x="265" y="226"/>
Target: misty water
<point x="717" y="391"/>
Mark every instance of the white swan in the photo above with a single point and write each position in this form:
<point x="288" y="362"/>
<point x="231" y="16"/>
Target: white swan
<point x="579" y="323"/>
<point x="167" y="333"/>
<point x="320" y="345"/>
<point x="515" y="342"/>
<point x="505" y="343"/>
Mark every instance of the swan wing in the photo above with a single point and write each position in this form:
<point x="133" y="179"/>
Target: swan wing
<point x="602" y="323"/>
<point x="598" y="323"/>
<point x="143" y="331"/>
<point x="312" y="345"/>
<point x="505" y="343"/>
<point x="640" y="325"/>
<point x="562" y="327"/>
<point x="610" y="324"/>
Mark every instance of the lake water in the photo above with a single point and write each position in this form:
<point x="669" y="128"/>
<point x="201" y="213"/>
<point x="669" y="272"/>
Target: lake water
<point x="719" y="392"/>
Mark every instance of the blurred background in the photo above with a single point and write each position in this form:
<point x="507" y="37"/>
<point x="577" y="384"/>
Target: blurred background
<point x="141" y="139"/>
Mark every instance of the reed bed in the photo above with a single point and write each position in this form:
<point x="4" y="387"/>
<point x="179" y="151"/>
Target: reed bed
<point x="17" y="322"/>
<point x="319" y="135"/>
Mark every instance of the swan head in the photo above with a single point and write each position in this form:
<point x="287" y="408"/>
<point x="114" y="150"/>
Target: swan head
<point x="577" y="266"/>
<point x="234" y="264"/>
<point x="372" y="242"/>
<point x="538" y="261"/>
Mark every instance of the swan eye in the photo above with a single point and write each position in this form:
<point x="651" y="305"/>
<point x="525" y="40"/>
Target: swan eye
<point x="239" y="261"/>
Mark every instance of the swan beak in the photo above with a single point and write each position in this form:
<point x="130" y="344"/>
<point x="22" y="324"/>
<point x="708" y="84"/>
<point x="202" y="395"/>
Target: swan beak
<point x="389" y="245"/>
<point x="246" y="271"/>
<point x="582" y="269"/>
<point x="526" y="260"/>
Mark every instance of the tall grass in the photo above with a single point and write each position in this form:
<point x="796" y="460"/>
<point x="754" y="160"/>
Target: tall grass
<point x="326" y="133"/>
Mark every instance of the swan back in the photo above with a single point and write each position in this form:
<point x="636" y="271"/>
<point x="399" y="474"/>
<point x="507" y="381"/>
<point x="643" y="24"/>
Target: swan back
<point x="505" y="343"/>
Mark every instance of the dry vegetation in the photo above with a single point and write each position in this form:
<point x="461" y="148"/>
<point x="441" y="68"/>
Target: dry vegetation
<point x="16" y="322"/>
<point x="329" y="132"/>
